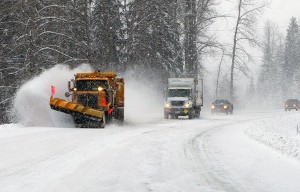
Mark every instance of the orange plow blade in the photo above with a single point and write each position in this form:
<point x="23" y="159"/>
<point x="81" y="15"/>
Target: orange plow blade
<point x="76" y="109"/>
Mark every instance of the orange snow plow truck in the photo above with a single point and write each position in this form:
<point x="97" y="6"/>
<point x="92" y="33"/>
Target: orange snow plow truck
<point x="96" y="98"/>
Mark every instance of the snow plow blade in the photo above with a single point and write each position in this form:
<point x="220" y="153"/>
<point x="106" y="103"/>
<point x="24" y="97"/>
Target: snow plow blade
<point x="76" y="109"/>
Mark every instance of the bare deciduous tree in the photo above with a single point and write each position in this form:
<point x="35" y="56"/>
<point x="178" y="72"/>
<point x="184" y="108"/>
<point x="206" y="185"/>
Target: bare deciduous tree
<point x="248" y="12"/>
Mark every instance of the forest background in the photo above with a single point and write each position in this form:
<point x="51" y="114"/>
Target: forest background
<point x="155" y="39"/>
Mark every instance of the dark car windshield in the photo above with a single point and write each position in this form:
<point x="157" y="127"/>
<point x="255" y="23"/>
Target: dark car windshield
<point x="179" y="93"/>
<point x="220" y="101"/>
<point x="90" y="85"/>
<point x="292" y="101"/>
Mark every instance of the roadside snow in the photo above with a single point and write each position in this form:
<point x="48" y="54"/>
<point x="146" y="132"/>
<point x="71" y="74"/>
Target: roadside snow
<point x="281" y="133"/>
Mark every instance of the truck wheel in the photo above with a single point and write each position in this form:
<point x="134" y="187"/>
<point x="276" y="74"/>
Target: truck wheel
<point x="102" y="125"/>
<point x="119" y="115"/>
<point x="197" y="114"/>
<point x="166" y="115"/>
<point x="108" y="118"/>
<point x="190" y="115"/>
<point x="78" y="120"/>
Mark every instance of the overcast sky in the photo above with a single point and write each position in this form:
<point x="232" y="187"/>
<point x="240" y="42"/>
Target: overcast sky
<point x="280" y="11"/>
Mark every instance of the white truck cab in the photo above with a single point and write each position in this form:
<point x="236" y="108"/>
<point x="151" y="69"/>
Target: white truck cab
<point x="184" y="98"/>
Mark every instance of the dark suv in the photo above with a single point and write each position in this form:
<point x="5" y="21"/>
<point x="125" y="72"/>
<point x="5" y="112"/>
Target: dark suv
<point x="221" y="106"/>
<point x="292" y="104"/>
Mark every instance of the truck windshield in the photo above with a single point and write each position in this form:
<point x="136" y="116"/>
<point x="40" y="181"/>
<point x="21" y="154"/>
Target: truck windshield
<point x="179" y="93"/>
<point x="91" y="85"/>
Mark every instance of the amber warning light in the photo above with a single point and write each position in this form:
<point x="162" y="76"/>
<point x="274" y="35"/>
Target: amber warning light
<point x="52" y="90"/>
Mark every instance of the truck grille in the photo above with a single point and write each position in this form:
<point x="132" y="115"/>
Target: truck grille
<point x="177" y="103"/>
<point x="90" y="100"/>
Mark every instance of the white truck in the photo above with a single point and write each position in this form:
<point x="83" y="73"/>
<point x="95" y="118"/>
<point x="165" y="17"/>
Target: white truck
<point x="184" y="97"/>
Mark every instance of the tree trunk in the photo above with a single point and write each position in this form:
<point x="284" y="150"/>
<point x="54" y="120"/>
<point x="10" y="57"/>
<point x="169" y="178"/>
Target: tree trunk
<point x="234" y="51"/>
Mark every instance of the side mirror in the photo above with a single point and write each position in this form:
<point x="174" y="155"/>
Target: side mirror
<point x="69" y="85"/>
<point x="67" y="94"/>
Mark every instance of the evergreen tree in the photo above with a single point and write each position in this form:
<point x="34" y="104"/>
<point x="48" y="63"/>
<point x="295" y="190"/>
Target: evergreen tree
<point x="154" y="38"/>
<point x="108" y="34"/>
<point x="292" y="57"/>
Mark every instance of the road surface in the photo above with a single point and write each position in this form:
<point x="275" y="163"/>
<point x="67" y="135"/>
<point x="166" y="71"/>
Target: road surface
<point x="211" y="154"/>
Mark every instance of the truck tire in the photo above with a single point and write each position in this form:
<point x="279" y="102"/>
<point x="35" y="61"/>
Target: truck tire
<point x="119" y="115"/>
<point x="190" y="115"/>
<point x="108" y="118"/>
<point x="102" y="125"/>
<point x="197" y="113"/>
<point x="166" y="115"/>
<point x="78" y="121"/>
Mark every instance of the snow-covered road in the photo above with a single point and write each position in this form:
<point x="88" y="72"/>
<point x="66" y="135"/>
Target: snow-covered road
<point x="212" y="154"/>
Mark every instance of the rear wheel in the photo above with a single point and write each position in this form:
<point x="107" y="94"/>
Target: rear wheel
<point x="190" y="115"/>
<point x="197" y="114"/>
<point x="119" y="115"/>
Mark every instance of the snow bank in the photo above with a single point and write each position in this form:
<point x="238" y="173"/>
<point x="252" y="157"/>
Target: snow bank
<point x="31" y="104"/>
<point x="279" y="133"/>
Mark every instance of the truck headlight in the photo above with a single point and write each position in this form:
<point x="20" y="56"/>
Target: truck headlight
<point x="167" y="104"/>
<point x="188" y="104"/>
<point x="100" y="88"/>
<point x="225" y="106"/>
<point x="212" y="106"/>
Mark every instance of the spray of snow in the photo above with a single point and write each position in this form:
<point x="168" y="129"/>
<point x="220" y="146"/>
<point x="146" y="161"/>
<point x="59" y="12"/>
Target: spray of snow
<point x="143" y="95"/>
<point x="31" y="104"/>
<point x="143" y="104"/>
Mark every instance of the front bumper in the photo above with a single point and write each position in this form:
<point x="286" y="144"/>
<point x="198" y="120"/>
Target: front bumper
<point x="291" y="107"/>
<point x="180" y="111"/>
<point x="220" y="110"/>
